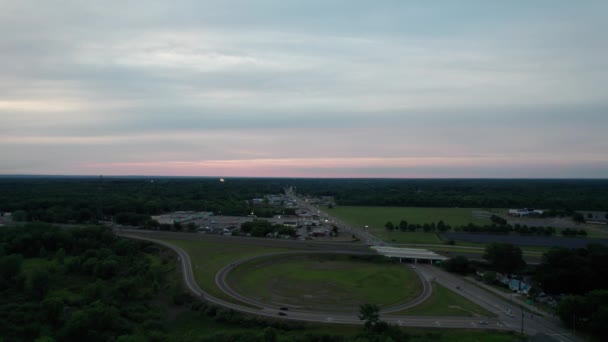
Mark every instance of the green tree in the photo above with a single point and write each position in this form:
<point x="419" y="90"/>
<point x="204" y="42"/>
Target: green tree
<point x="489" y="277"/>
<point x="578" y="218"/>
<point x="370" y="315"/>
<point x="10" y="267"/>
<point x="52" y="309"/>
<point x="20" y="215"/>
<point x="504" y="257"/>
<point x="403" y="225"/>
<point x="60" y="256"/>
<point x="389" y="226"/>
<point x="95" y="322"/>
<point x="498" y="220"/>
<point x="587" y="312"/>
<point x="441" y="226"/>
<point x="269" y="334"/>
<point x="459" y="264"/>
<point x="39" y="283"/>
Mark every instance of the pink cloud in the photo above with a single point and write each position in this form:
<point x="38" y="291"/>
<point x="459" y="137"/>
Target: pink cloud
<point x="332" y="167"/>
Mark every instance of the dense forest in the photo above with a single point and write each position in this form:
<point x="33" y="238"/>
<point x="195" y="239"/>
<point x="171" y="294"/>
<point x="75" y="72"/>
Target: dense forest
<point x="559" y="194"/>
<point x="87" y="284"/>
<point x="581" y="273"/>
<point x="77" y="284"/>
<point x="87" y="199"/>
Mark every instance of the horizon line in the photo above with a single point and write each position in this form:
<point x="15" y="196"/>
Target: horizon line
<point x="292" y="177"/>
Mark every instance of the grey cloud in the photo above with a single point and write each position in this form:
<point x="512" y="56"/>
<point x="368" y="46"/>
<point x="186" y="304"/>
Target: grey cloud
<point x="343" y="77"/>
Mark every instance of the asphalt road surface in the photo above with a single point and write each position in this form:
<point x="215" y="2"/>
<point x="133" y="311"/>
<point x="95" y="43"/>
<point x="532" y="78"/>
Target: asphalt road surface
<point x="508" y="314"/>
<point x="360" y="233"/>
<point x="269" y="311"/>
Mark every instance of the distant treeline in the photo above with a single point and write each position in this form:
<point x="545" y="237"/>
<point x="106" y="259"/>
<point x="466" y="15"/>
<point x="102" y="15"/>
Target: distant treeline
<point x="84" y="200"/>
<point x="521" y="229"/>
<point x="558" y="194"/>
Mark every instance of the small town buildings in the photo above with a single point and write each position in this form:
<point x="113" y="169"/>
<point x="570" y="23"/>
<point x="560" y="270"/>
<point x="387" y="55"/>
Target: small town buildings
<point x="525" y="212"/>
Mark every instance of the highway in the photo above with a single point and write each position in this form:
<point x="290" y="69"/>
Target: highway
<point x="508" y="315"/>
<point x="361" y="234"/>
<point x="504" y="320"/>
<point x="251" y="241"/>
<point x="323" y="317"/>
<point x="364" y="236"/>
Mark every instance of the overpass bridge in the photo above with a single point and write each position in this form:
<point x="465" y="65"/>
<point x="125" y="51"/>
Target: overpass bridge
<point x="410" y="254"/>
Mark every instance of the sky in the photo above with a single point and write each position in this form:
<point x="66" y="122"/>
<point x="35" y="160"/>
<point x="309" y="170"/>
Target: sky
<point x="278" y="88"/>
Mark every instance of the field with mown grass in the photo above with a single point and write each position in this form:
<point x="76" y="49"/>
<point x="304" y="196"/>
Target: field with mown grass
<point x="325" y="282"/>
<point x="375" y="218"/>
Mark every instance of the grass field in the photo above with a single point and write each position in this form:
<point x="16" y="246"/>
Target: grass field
<point x="188" y="325"/>
<point x="444" y="302"/>
<point x="325" y="282"/>
<point x="209" y="257"/>
<point x="376" y="217"/>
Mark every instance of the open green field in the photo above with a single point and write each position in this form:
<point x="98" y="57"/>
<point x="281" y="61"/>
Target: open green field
<point x="325" y="282"/>
<point x="209" y="257"/>
<point x="444" y="302"/>
<point x="376" y="217"/>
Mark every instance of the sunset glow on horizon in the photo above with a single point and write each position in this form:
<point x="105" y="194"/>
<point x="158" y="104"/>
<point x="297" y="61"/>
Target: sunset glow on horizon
<point x="472" y="89"/>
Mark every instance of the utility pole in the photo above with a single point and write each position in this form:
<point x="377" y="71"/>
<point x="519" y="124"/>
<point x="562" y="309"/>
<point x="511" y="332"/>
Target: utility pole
<point x="522" y="320"/>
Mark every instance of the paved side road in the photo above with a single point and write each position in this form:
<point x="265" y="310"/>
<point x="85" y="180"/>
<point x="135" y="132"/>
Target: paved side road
<point x="408" y="321"/>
